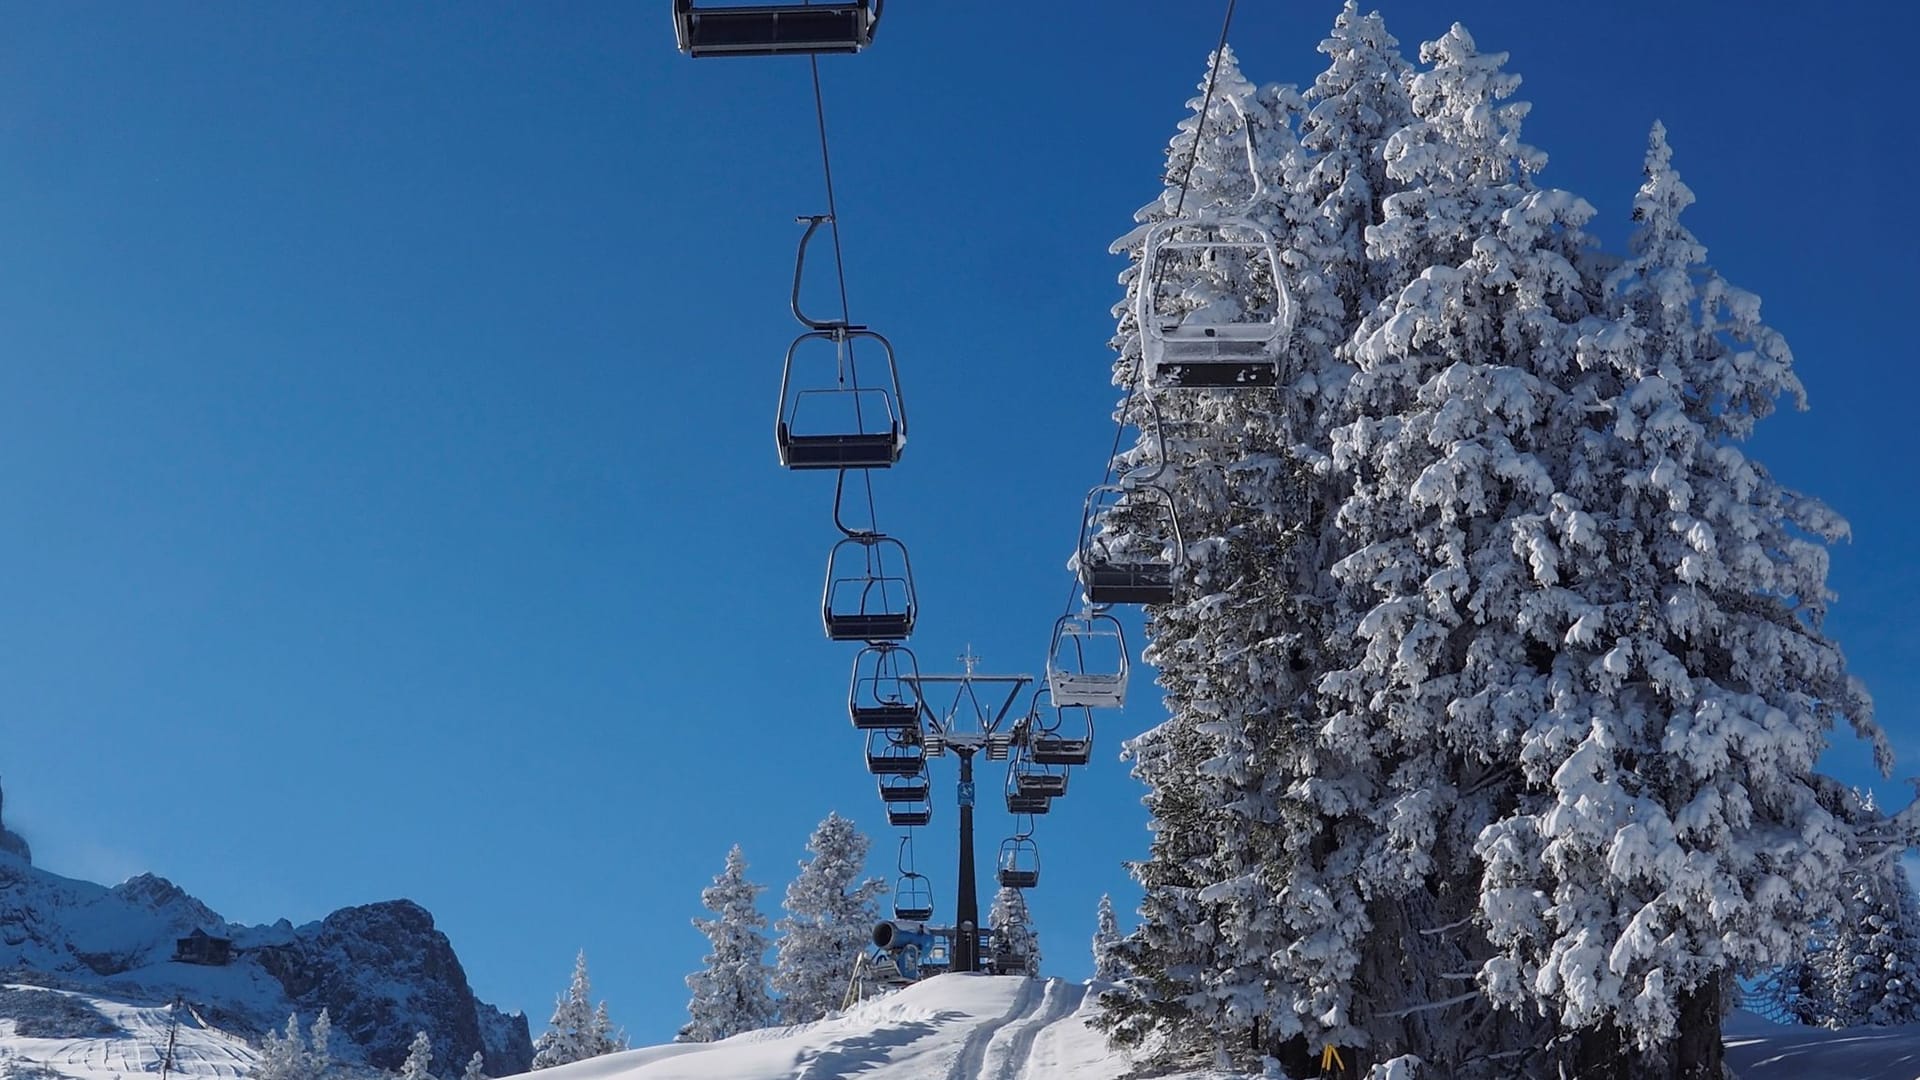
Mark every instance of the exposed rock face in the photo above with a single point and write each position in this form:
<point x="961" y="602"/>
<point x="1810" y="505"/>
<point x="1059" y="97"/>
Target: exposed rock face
<point x="12" y="843"/>
<point x="352" y="962"/>
<point x="382" y="970"/>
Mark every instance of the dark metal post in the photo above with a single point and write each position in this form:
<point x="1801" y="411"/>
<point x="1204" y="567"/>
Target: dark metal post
<point x="966" y="919"/>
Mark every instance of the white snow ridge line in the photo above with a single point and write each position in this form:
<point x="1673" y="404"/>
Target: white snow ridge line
<point x="1058" y="1001"/>
<point x="973" y="1053"/>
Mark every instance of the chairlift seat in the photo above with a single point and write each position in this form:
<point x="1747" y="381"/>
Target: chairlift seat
<point x="772" y="29"/>
<point x="906" y="818"/>
<point x="912" y="914"/>
<point x="877" y="450"/>
<point x="1018" y="803"/>
<point x="1055" y="750"/>
<point x="1046" y="785"/>
<point x="905" y="791"/>
<point x="889" y="717"/>
<point x="1019" y="879"/>
<point x="1128" y="583"/>
<point x="869" y="626"/>
<point x="895" y="764"/>
<point x="1093" y="689"/>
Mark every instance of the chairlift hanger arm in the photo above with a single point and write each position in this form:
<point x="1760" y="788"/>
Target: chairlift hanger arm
<point x="831" y="326"/>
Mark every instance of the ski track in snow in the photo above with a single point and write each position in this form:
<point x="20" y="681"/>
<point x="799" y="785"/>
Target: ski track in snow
<point x="1058" y="1001"/>
<point x="200" y="1050"/>
<point x="971" y="1063"/>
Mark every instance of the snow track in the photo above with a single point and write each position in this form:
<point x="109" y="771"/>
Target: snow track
<point x="137" y="1046"/>
<point x="971" y="1064"/>
<point x="1014" y="1062"/>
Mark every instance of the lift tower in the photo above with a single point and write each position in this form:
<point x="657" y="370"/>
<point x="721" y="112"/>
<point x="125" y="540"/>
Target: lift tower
<point x="969" y="725"/>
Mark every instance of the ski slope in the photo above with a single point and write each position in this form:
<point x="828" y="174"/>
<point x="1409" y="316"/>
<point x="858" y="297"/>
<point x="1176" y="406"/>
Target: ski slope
<point x="987" y="1027"/>
<point x="953" y="1027"/>
<point x="138" y="1043"/>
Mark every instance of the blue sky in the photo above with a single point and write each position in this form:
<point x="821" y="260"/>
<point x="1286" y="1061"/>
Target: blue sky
<point x="387" y="389"/>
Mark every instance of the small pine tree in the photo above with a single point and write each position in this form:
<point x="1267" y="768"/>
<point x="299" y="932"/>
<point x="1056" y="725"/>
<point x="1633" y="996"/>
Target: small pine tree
<point x="319" y="1060"/>
<point x="476" y="1067"/>
<point x="283" y="1056"/>
<point x="730" y="993"/>
<point x="827" y="923"/>
<point x="419" y="1063"/>
<point x="1016" y="948"/>
<point x="577" y="1030"/>
<point x="1107" y="962"/>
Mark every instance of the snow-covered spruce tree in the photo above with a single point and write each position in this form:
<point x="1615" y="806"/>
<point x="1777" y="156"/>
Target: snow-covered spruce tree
<point x="419" y="1063"/>
<point x="830" y="916"/>
<point x="319" y="1054"/>
<point x="283" y="1056"/>
<point x="1862" y="969"/>
<point x="730" y="993"/>
<point x="1107" y="962"/>
<point x="1210" y="787"/>
<point x="476" y="1067"/>
<point x="578" y="1030"/>
<point x="1016" y="948"/>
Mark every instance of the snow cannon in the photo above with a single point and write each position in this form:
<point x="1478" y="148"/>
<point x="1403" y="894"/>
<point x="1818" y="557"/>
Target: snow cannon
<point x="905" y="943"/>
<point x="894" y="935"/>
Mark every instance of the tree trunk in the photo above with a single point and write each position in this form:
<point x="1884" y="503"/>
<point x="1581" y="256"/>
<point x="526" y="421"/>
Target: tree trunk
<point x="1698" y="1053"/>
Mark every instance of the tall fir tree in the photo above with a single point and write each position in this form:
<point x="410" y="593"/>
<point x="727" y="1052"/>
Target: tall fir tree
<point x="730" y="993"/>
<point x="830" y="916"/>
<point x="476" y="1067"/>
<point x="319" y="1051"/>
<point x="283" y="1056"/>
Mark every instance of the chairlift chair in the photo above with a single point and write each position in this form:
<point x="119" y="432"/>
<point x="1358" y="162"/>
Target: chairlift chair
<point x="1117" y="568"/>
<point x="1058" y="734"/>
<point x="889" y="754"/>
<point x="1029" y="777"/>
<point x="1087" y="664"/>
<point x="1019" y="863"/>
<point x="882" y="697"/>
<point x="908" y="816"/>
<point x="869" y="592"/>
<point x="840" y="426"/>
<point x="1187" y="349"/>
<point x="912" y="898"/>
<point x="774" y="29"/>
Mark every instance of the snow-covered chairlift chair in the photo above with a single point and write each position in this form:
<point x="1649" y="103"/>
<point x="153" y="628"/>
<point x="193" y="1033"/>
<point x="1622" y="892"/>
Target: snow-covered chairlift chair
<point x="774" y="29"/>
<point x="1088" y="662"/>
<point x="1217" y="346"/>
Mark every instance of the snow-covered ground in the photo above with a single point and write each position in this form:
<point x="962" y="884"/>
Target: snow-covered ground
<point x="984" y="1027"/>
<point x="953" y="1027"/>
<point x="66" y="1038"/>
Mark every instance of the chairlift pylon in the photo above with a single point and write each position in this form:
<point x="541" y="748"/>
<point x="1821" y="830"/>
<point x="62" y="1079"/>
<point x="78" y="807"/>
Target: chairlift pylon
<point x="774" y="29"/>
<point x="1088" y="663"/>
<point x="869" y="592"/>
<point x="1130" y="545"/>
<point x="837" y="424"/>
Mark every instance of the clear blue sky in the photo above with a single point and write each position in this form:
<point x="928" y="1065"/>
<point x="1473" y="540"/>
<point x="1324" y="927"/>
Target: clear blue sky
<point x="385" y="406"/>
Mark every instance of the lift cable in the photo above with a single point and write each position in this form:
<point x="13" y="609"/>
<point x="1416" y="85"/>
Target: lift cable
<point x="839" y="264"/>
<point x="1179" y="207"/>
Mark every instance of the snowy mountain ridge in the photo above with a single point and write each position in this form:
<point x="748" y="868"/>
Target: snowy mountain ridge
<point x="382" y="970"/>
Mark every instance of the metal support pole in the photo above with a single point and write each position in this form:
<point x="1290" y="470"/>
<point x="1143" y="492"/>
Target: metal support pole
<point x="966" y="919"/>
